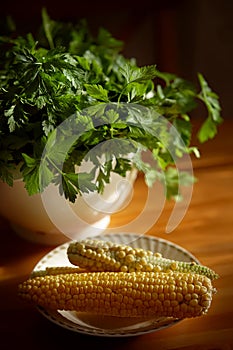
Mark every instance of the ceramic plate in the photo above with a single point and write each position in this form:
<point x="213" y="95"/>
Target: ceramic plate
<point x="113" y="326"/>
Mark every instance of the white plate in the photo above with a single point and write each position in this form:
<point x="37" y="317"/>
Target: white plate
<point x="113" y="326"/>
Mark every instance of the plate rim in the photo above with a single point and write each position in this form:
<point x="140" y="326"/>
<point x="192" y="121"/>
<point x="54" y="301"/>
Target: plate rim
<point x="57" y="318"/>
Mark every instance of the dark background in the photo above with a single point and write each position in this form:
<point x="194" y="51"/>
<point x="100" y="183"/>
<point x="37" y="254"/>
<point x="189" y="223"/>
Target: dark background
<point x="182" y="37"/>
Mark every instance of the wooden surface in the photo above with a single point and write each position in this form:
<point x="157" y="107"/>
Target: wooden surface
<point x="206" y="231"/>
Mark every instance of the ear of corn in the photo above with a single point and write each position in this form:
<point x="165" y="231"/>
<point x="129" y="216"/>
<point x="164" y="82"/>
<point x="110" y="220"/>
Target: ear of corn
<point x="94" y="255"/>
<point x="123" y="294"/>
<point x="56" y="270"/>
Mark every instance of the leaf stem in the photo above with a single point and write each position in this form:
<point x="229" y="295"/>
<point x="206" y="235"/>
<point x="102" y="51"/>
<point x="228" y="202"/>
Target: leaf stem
<point x="47" y="28"/>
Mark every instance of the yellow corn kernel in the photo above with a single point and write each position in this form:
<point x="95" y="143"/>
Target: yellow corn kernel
<point x="117" y="257"/>
<point x="119" y="293"/>
<point x="57" y="270"/>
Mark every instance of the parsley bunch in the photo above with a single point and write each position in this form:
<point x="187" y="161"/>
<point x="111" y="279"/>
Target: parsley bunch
<point x="66" y="76"/>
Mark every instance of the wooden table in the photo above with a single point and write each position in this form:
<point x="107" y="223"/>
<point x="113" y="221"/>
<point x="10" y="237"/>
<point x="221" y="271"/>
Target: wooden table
<point x="206" y="231"/>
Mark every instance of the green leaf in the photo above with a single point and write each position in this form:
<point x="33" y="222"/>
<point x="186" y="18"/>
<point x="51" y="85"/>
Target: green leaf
<point x="69" y="190"/>
<point x="86" y="182"/>
<point x="30" y="162"/>
<point x="208" y="130"/>
<point x="84" y="63"/>
<point x="135" y="92"/>
<point x="136" y="74"/>
<point x="151" y="173"/>
<point x="82" y="182"/>
<point x="5" y="174"/>
<point x="97" y="92"/>
<point x="11" y="120"/>
<point x="64" y="70"/>
<point x="108" y="41"/>
<point x="175" y="179"/>
<point x="46" y="175"/>
<point x="167" y="77"/>
<point x="37" y="172"/>
<point x="47" y="25"/>
<point x="162" y="157"/>
<point x="58" y="147"/>
<point x="211" y="100"/>
<point x="122" y="166"/>
<point x="31" y="175"/>
<point x="103" y="177"/>
<point x="112" y="116"/>
<point x="176" y="98"/>
<point x="184" y="129"/>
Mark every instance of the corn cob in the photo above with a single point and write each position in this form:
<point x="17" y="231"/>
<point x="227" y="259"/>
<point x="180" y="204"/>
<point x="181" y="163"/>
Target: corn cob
<point x="56" y="270"/>
<point x="94" y="255"/>
<point x="122" y="294"/>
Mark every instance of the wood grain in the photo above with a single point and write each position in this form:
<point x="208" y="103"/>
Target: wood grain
<point x="206" y="231"/>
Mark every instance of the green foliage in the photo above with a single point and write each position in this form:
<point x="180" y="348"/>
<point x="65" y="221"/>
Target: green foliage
<point x="211" y="101"/>
<point x="117" y="105"/>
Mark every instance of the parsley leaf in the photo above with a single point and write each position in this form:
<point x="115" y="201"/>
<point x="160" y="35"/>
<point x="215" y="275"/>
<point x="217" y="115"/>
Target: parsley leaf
<point x="67" y="96"/>
<point x="211" y="100"/>
<point x="74" y="184"/>
<point x="97" y="92"/>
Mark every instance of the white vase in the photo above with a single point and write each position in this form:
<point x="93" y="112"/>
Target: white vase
<point x="49" y="219"/>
